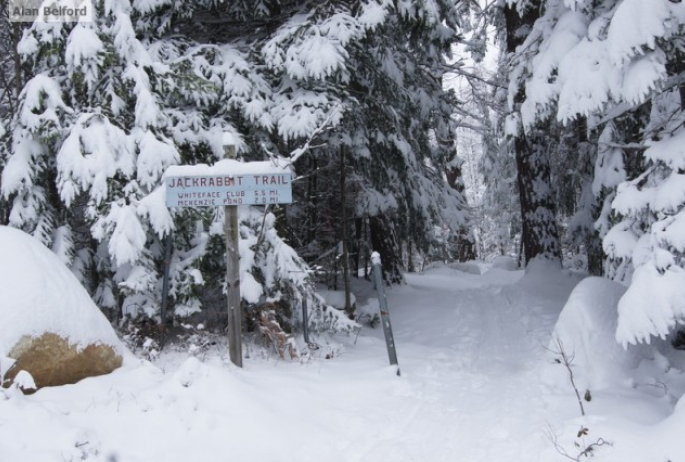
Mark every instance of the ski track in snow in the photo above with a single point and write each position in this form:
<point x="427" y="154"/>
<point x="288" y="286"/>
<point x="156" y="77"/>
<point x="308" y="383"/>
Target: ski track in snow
<point x="469" y="348"/>
<point x="470" y="367"/>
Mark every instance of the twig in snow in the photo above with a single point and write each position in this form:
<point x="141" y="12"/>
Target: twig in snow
<point x="357" y="336"/>
<point x="586" y="450"/>
<point x="566" y="360"/>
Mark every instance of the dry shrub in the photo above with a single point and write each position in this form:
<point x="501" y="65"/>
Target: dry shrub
<point x="273" y="333"/>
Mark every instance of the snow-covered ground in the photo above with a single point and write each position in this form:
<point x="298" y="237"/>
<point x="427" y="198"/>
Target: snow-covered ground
<point x="477" y="384"/>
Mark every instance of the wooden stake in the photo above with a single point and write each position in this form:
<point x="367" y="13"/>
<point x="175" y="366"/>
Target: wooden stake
<point x="385" y="314"/>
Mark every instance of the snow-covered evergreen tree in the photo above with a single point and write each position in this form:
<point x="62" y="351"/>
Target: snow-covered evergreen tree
<point x="147" y="85"/>
<point x="620" y="63"/>
<point x="395" y="132"/>
<point x="106" y="114"/>
<point x="501" y="212"/>
<point x="483" y="157"/>
<point x="539" y="233"/>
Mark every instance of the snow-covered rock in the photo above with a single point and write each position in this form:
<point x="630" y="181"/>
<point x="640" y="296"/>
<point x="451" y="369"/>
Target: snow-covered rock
<point x="49" y="325"/>
<point x="586" y="330"/>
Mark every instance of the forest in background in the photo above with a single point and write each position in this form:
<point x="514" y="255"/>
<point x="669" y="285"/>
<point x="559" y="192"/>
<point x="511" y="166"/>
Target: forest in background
<point x="579" y="129"/>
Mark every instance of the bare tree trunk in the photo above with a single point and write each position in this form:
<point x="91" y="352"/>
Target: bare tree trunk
<point x="349" y="308"/>
<point x="367" y="256"/>
<point x="540" y="236"/>
<point x="384" y="241"/>
<point x="595" y="255"/>
<point x="465" y="247"/>
<point x="676" y="67"/>
<point x="410" y="258"/>
<point x="358" y="224"/>
<point x="593" y="242"/>
<point x="18" y="80"/>
<point x="312" y="198"/>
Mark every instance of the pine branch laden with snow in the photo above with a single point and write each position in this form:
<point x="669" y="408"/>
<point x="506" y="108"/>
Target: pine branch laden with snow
<point x="272" y="272"/>
<point x="115" y="102"/>
<point x="655" y="201"/>
<point x="82" y="161"/>
<point x="616" y="62"/>
<point x="396" y="158"/>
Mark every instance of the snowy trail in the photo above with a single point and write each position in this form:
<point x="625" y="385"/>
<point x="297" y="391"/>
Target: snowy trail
<point x="471" y="366"/>
<point x="468" y="346"/>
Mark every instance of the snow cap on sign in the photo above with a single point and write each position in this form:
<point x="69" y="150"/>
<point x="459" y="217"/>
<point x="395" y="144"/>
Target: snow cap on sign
<point x="227" y="167"/>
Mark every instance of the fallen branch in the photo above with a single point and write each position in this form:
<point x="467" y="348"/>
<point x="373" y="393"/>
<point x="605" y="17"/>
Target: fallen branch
<point x="586" y="450"/>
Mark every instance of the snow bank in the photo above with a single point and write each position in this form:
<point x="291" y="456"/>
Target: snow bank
<point x="586" y="328"/>
<point x="506" y="263"/>
<point x="470" y="267"/>
<point x="39" y="294"/>
<point x="672" y="427"/>
<point x="546" y="278"/>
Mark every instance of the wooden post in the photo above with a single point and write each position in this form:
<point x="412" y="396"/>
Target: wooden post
<point x="385" y="314"/>
<point x="235" y="314"/>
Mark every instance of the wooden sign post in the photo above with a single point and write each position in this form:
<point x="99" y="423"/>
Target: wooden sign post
<point x="229" y="183"/>
<point x="235" y="312"/>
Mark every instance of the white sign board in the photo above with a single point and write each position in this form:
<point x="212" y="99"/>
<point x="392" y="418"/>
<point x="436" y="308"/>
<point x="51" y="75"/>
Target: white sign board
<point x="219" y="190"/>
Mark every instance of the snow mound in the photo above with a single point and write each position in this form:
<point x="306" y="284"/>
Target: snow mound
<point x="546" y="278"/>
<point x="38" y="294"/>
<point x="506" y="263"/>
<point x="586" y="329"/>
<point x="470" y="267"/>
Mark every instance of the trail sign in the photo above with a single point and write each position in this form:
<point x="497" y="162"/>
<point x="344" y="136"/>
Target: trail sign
<point x="221" y="190"/>
<point x="229" y="183"/>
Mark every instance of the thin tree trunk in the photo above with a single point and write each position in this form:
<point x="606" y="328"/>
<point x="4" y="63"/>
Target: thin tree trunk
<point x="312" y="200"/>
<point x="539" y="234"/>
<point x="410" y="258"/>
<point x="595" y="255"/>
<point x="465" y="249"/>
<point x="676" y="67"/>
<point x="593" y="242"/>
<point x="384" y="242"/>
<point x="18" y="80"/>
<point x="349" y="308"/>
<point x="358" y="224"/>
<point x="365" y="238"/>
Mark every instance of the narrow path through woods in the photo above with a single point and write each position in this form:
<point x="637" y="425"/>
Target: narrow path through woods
<point x="469" y="347"/>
